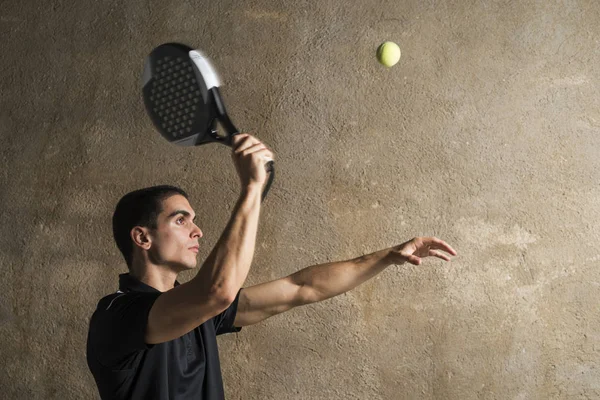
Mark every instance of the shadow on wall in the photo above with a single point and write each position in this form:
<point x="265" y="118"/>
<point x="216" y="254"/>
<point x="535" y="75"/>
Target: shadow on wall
<point x="59" y="262"/>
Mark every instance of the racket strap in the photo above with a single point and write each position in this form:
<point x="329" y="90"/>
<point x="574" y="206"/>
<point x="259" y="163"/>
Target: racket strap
<point x="271" y="170"/>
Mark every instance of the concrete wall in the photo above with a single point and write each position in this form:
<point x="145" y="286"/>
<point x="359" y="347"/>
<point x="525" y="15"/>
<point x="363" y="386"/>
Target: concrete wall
<point x="486" y="134"/>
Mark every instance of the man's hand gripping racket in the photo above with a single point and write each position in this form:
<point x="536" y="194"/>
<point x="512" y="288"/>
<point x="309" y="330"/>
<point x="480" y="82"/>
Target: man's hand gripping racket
<point x="181" y="94"/>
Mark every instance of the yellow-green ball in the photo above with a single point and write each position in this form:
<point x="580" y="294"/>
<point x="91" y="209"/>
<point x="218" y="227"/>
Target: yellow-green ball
<point x="388" y="53"/>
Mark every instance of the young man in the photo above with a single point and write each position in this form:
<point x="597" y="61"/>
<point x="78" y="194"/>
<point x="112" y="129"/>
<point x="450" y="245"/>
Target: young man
<point x="155" y="338"/>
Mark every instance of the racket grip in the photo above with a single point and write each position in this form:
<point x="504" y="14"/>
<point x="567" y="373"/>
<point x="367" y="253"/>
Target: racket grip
<point x="270" y="167"/>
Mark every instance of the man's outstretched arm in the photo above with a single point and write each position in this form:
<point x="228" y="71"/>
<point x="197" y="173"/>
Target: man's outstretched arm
<point x="323" y="281"/>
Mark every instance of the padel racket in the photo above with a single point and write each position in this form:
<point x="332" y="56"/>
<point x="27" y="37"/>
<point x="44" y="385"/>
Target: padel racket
<point x="181" y="94"/>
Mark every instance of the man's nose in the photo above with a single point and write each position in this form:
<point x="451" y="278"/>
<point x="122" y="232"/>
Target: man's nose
<point x="198" y="232"/>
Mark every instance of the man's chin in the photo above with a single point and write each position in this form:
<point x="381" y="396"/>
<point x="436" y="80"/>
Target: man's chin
<point x="181" y="267"/>
<point x="188" y="266"/>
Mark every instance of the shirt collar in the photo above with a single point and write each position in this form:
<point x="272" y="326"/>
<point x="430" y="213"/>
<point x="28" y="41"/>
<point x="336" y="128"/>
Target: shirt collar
<point x="128" y="283"/>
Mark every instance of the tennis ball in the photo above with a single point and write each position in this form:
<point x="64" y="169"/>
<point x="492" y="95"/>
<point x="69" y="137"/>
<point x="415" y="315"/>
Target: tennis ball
<point x="388" y="53"/>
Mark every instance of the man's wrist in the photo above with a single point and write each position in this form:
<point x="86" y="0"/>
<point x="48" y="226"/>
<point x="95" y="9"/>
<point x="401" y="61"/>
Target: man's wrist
<point x="376" y="259"/>
<point x="383" y="257"/>
<point x="253" y="189"/>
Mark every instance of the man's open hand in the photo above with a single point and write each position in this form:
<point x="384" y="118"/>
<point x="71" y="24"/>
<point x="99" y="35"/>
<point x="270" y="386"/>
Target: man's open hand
<point x="417" y="248"/>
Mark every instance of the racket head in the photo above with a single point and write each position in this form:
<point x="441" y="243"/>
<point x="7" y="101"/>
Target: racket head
<point x="178" y="85"/>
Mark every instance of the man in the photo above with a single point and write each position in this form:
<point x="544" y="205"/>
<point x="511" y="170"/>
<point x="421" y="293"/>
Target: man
<point x="155" y="338"/>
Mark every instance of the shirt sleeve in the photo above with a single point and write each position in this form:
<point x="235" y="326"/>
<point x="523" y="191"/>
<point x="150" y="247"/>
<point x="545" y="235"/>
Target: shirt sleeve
<point x="224" y="321"/>
<point x="120" y="328"/>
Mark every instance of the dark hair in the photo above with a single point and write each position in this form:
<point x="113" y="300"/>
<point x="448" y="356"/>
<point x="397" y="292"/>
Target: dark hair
<point x="139" y="208"/>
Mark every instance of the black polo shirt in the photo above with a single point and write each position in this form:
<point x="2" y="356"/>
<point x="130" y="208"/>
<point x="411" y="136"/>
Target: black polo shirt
<point x="125" y="367"/>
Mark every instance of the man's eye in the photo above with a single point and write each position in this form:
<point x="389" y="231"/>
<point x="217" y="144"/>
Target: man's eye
<point x="180" y="219"/>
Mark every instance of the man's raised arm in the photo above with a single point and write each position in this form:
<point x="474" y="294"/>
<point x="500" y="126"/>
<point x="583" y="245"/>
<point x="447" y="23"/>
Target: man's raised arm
<point x="221" y="276"/>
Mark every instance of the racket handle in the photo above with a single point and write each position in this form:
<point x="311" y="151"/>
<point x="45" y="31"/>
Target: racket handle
<point x="232" y="131"/>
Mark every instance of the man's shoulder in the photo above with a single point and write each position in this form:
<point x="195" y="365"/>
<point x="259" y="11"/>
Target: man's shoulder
<point x="105" y="302"/>
<point x="118" y="309"/>
<point x="114" y="301"/>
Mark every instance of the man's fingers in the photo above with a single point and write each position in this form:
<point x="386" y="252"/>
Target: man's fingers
<point x="252" y="149"/>
<point x="243" y="141"/>
<point x="438" y="254"/>
<point x="239" y="138"/>
<point x="439" y="244"/>
<point x="414" y="260"/>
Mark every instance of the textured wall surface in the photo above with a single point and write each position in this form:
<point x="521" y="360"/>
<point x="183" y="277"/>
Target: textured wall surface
<point x="486" y="134"/>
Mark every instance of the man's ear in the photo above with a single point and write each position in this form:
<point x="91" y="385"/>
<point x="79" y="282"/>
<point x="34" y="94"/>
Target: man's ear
<point x="141" y="237"/>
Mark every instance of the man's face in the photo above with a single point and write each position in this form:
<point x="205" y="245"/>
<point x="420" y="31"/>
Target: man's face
<point x="176" y="233"/>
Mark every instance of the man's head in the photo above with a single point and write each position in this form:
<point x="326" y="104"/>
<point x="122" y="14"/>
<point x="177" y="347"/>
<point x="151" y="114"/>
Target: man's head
<point x="155" y="225"/>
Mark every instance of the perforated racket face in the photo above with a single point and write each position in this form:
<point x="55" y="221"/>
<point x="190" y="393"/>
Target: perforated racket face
<point x="173" y="95"/>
